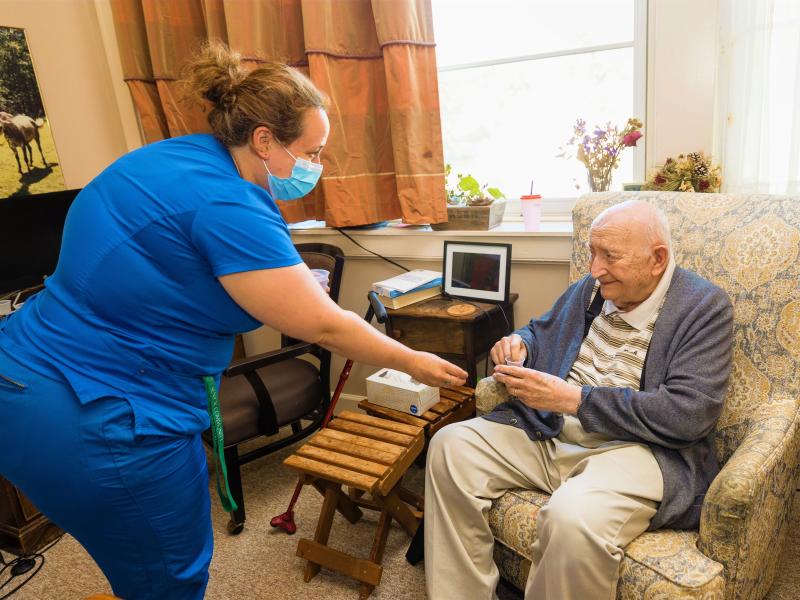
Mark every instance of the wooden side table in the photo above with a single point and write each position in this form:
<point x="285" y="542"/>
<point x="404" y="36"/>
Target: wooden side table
<point x="456" y="403"/>
<point x="453" y="329"/>
<point x="23" y="529"/>
<point x="370" y="455"/>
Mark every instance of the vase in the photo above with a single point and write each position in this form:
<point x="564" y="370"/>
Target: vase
<point x="600" y="182"/>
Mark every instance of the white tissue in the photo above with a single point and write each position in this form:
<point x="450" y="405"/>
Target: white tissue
<point x="399" y="376"/>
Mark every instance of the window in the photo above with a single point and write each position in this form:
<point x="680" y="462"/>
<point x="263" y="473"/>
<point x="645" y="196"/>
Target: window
<point x="757" y="129"/>
<point x="514" y="75"/>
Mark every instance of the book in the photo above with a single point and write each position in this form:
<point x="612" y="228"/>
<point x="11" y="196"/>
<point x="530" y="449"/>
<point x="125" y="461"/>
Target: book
<point x="407" y="282"/>
<point x="436" y="283"/>
<point x="411" y="297"/>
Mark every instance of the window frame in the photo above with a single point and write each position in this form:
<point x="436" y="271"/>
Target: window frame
<point x="560" y="208"/>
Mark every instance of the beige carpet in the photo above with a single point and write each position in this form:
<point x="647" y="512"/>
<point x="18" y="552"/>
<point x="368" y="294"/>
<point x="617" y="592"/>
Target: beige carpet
<point x="260" y="563"/>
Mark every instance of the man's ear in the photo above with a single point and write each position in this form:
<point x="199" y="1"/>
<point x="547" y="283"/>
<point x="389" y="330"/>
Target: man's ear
<point x="661" y="258"/>
<point x="261" y="141"/>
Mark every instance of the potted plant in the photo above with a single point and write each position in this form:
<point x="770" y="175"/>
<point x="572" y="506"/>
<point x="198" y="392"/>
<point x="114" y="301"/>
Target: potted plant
<point x="470" y="205"/>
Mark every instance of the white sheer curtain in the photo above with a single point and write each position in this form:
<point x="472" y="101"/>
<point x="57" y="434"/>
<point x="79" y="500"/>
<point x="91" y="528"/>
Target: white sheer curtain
<point x="757" y="129"/>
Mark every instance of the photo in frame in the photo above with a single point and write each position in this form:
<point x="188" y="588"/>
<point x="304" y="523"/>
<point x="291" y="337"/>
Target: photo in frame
<point x="476" y="271"/>
<point x="28" y="162"/>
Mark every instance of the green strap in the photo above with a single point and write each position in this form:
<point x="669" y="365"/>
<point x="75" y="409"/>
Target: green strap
<point x="223" y="489"/>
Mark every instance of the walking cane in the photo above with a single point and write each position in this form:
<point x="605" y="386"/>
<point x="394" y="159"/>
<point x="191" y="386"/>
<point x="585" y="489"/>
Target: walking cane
<point x="376" y="309"/>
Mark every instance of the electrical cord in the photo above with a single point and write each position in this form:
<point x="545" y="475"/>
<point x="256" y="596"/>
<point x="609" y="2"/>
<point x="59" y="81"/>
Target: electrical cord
<point x="18" y="293"/>
<point x="491" y="326"/>
<point x="390" y="261"/>
<point x="488" y="316"/>
<point x="509" y="328"/>
<point x="29" y="564"/>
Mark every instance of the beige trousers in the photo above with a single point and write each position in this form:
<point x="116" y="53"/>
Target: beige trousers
<point x="602" y="498"/>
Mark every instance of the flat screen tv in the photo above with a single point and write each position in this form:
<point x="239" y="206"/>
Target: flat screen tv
<point x="30" y="237"/>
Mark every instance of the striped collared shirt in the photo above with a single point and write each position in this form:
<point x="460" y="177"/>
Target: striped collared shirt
<point x="614" y="351"/>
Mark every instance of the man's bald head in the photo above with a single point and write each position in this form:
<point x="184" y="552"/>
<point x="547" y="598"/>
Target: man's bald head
<point x="630" y="245"/>
<point x="639" y="215"/>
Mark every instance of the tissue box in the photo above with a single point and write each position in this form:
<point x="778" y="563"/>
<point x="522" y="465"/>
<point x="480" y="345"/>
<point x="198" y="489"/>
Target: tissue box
<point x="397" y="390"/>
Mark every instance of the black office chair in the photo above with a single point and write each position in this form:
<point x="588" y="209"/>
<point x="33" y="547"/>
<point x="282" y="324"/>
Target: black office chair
<point x="259" y="395"/>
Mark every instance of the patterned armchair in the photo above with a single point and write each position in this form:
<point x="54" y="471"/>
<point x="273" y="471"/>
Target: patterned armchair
<point x="748" y="245"/>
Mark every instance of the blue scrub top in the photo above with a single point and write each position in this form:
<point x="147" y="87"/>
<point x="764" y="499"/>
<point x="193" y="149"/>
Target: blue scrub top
<point x="134" y="308"/>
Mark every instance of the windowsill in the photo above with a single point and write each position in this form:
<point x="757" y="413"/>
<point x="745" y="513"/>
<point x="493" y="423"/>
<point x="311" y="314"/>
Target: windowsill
<point x="509" y="227"/>
<point x="552" y="244"/>
<point x="556" y="219"/>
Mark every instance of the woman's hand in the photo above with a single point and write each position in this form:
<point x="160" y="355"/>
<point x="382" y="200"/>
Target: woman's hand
<point x="434" y="371"/>
<point x="307" y="313"/>
<point x="539" y="390"/>
<point x="510" y="347"/>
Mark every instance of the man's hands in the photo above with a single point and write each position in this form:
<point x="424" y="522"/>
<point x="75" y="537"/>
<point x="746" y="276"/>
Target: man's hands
<point x="538" y="390"/>
<point x="434" y="371"/>
<point x="510" y="347"/>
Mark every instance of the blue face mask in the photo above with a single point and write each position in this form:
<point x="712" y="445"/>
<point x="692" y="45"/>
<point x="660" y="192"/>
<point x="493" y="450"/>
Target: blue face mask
<point x="305" y="175"/>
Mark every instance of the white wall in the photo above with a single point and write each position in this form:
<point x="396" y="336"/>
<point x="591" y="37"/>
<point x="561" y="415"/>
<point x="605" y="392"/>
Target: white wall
<point x="681" y="71"/>
<point x="69" y="58"/>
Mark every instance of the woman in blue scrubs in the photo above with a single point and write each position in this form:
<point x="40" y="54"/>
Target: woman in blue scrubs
<point x="166" y="255"/>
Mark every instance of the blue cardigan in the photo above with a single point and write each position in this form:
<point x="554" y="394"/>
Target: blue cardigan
<point x="686" y="377"/>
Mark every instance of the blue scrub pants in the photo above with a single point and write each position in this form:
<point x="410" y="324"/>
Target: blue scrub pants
<point x="138" y="504"/>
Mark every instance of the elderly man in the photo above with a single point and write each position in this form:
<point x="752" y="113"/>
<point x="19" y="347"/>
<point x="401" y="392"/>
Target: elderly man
<point x="612" y="413"/>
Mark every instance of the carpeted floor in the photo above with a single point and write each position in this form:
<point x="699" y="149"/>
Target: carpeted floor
<point x="260" y="563"/>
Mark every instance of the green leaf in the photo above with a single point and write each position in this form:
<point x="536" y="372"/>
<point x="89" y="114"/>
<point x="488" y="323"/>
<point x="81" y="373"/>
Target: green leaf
<point x="496" y="193"/>
<point x="469" y="184"/>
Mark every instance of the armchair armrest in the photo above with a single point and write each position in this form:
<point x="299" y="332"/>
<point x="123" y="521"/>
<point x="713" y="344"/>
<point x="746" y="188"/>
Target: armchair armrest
<point x="488" y="394"/>
<point x="746" y="509"/>
<point x="251" y="363"/>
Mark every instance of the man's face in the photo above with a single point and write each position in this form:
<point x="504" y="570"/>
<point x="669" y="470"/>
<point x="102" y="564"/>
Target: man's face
<point x="624" y="263"/>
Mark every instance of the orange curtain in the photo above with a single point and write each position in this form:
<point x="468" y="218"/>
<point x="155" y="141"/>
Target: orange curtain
<point x="375" y="60"/>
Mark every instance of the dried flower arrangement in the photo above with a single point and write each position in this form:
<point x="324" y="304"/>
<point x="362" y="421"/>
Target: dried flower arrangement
<point x="694" y="172"/>
<point x="601" y="150"/>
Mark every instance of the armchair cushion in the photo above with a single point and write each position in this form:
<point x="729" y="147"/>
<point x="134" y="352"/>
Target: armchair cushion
<point x="662" y="564"/>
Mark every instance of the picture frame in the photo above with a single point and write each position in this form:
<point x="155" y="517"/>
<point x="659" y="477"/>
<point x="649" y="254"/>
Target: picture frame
<point x="478" y="271"/>
<point x="29" y="163"/>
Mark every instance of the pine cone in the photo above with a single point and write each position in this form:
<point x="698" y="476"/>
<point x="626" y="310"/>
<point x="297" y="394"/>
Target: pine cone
<point x="695" y="156"/>
<point x="700" y="170"/>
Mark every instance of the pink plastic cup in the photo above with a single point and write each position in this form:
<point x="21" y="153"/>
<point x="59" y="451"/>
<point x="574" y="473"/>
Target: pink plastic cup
<point x="531" y="211"/>
<point x="321" y="275"/>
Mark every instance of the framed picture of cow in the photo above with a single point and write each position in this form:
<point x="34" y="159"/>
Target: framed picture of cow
<point x="28" y="160"/>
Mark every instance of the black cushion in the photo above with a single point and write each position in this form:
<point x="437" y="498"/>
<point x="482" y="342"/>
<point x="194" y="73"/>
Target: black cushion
<point x="293" y="385"/>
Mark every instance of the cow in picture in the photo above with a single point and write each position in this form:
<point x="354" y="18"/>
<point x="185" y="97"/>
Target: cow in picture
<point x="20" y="131"/>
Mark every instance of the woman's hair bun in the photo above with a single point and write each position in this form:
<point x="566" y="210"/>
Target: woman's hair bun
<point x="215" y="74"/>
<point x="271" y="94"/>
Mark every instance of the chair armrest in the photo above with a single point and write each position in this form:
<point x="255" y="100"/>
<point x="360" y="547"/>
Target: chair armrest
<point x="746" y="509"/>
<point x="251" y="363"/>
<point x="488" y="394"/>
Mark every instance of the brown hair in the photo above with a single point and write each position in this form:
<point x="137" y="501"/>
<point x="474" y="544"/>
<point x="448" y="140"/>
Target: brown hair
<point x="273" y="94"/>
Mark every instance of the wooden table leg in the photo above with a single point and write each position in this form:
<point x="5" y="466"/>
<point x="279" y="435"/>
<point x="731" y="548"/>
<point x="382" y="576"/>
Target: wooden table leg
<point x="332" y="493"/>
<point x="378" y="547"/>
<point x="400" y="511"/>
<point x="345" y="505"/>
<point x="412" y="498"/>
